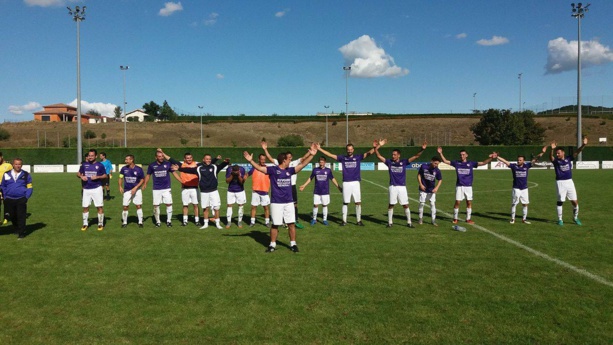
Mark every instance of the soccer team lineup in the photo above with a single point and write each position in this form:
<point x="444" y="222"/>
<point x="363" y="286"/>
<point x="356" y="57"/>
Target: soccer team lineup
<point x="275" y="186"/>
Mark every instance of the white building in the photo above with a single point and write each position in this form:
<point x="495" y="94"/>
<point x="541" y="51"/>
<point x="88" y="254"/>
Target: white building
<point x="136" y="115"/>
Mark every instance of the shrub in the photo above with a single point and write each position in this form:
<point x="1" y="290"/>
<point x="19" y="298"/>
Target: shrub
<point x="89" y="134"/>
<point x="4" y="134"/>
<point x="69" y="142"/>
<point x="291" y="140"/>
<point x="184" y="141"/>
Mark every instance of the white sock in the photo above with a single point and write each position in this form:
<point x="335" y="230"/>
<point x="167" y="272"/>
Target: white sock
<point x="156" y="213"/>
<point x="185" y="217"/>
<point x="433" y="210"/>
<point x="469" y="212"/>
<point x="513" y="208"/>
<point x="315" y="209"/>
<point x="252" y="220"/>
<point x="229" y="215"/>
<point x="576" y="211"/>
<point x="292" y="243"/>
<point x="390" y="215"/>
<point x="266" y="221"/>
<point x="240" y="214"/>
<point x="197" y="220"/>
<point x="85" y="218"/>
<point x="559" y="212"/>
<point x="344" y="211"/>
<point x="100" y="218"/>
<point x="217" y="221"/>
<point x="273" y="244"/>
<point x="525" y="211"/>
<point x="456" y="211"/>
<point x="358" y="213"/>
<point x="420" y="209"/>
<point x="324" y="210"/>
<point x="168" y="214"/>
<point x="407" y="212"/>
<point x="124" y="217"/>
<point x="139" y="214"/>
<point x="206" y="221"/>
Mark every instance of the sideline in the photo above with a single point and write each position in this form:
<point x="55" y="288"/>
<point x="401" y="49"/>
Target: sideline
<point x="559" y="262"/>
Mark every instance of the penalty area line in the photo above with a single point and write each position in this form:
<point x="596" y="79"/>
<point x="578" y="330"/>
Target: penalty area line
<point x="530" y="250"/>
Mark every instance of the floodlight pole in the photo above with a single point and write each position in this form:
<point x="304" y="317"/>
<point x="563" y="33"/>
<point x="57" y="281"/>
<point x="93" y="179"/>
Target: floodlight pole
<point x="78" y="15"/>
<point x="347" y="69"/>
<point x="520" y="104"/>
<point x="125" y="121"/>
<point x="474" y="103"/>
<point x="201" y="142"/>
<point x="578" y="11"/>
<point x="327" y="107"/>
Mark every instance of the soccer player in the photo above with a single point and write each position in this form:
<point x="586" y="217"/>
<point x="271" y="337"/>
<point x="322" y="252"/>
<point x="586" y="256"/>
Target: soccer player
<point x="189" y="189"/>
<point x="282" y="206"/>
<point x="17" y="189"/>
<point x="397" y="169"/>
<point x="4" y="167"/>
<point x="427" y="177"/>
<point x="351" y="178"/>
<point x="321" y="193"/>
<point x="293" y="163"/>
<point x="259" y="195"/>
<point x="464" y="182"/>
<point x="520" y="183"/>
<point x="235" y="177"/>
<point x="161" y="169"/>
<point x="131" y="179"/>
<point x="207" y="181"/>
<point x="564" y="179"/>
<point x="108" y="167"/>
<point x="92" y="173"/>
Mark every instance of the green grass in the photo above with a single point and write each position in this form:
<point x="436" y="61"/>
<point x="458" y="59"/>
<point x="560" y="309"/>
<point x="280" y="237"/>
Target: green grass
<point x="347" y="285"/>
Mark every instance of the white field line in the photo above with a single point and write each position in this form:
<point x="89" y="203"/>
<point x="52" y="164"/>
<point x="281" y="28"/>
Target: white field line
<point x="564" y="264"/>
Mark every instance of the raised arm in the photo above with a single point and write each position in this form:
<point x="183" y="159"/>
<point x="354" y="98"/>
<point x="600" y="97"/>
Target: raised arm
<point x="440" y="153"/>
<point x="553" y="148"/>
<point x="249" y="158"/>
<point x="381" y="158"/>
<point x="580" y="148"/>
<point x="506" y="162"/>
<point x="536" y="158"/>
<point x="326" y="153"/>
<point x="310" y="154"/>
<point x="423" y="148"/>
<point x="265" y="148"/>
<point x="375" y="145"/>
<point x="488" y="159"/>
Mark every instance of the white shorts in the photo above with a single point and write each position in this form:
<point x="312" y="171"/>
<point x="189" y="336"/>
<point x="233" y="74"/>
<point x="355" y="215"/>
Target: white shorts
<point x="463" y="192"/>
<point x="398" y="194"/>
<point x="137" y="198"/>
<point x="210" y="199"/>
<point x="280" y="213"/>
<point x="94" y="195"/>
<point x="351" y="189"/>
<point x="423" y="197"/>
<point x="236" y="198"/>
<point x="520" y="195"/>
<point x="189" y="196"/>
<point x="162" y="196"/>
<point x="260" y="200"/>
<point x="321" y="199"/>
<point x="566" y="189"/>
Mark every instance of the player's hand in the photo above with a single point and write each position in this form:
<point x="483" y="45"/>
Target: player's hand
<point x="424" y="145"/>
<point x="133" y="191"/>
<point x="340" y="189"/>
<point x="174" y="167"/>
<point x="84" y="178"/>
<point x="121" y="190"/>
<point x="227" y="160"/>
<point x="247" y="156"/>
<point x="434" y="190"/>
<point x="439" y="149"/>
<point x="584" y="140"/>
<point x="544" y="149"/>
<point x="312" y="151"/>
<point x="375" y="143"/>
<point x="382" y="142"/>
<point x="318" y="146"/>
<point x="264" y="145"/>
<point x="160" y="150"/>
<point x="553" y="145"/>
<point x="301" y="188"/>
<point x="422" y="187"/>
<point x="110" y="177"/>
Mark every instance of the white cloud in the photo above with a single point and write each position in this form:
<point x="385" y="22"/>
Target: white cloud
<point x="20" y="109"/>
<point x="281" y="13"/>
<point x="494" y="41"/>
<point x="367" y="60"/>
<point x="562" y="55"/>
<point x="105" y="109"/>
<point x="460" y="36"/>
<point x="44" y="3"/>
<point x="170" y="8"/>
<point x="219" y="76"/>
<point x="212" y="19"/>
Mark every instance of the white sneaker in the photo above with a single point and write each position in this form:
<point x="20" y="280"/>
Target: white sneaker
<point x="525" y="221"/>
<point x="421" y="221"/>
<point x="512" y="221"/>
<point x="218" y="225"/>
<point x="206" y="225"/>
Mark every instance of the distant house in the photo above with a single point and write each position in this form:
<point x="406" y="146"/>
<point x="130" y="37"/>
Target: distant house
<point x="61" y="112"/>
<point x="136" y="115"/>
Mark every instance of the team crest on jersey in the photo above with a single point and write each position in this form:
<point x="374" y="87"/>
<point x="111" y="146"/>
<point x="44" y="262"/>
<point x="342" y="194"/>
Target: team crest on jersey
<point x="400" y="163"/>
<point x="286" y="173"/>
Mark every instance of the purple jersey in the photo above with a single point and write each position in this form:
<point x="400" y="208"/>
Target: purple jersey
<point x="520" y="175"/>
<point x="464" y="172"/>
<point x="397" y="171"/>
<point x="131" y="176"/>
<point x="234" y="186"/>
<point x="161" y="174"/>
<point x="321" y="178"/>
<point x="429" y="176"/>
<point x="351" y="167"/>
<point x="563" y="168"/>
<point x="281" y="184"/>
<point x="89" y="170"/>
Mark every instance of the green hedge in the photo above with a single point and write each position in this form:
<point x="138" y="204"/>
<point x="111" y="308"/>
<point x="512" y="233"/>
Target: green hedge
<point x="146" y="155"/>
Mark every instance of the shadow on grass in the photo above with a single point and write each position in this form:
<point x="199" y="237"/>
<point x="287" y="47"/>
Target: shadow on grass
<point x="507" y="216"/>
<point x="8" y="229"/>
<point x="371" y="219"/>
<point x="261" y="237"/>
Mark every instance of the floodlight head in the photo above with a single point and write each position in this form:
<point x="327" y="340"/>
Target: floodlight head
<point x="572" y="5"/>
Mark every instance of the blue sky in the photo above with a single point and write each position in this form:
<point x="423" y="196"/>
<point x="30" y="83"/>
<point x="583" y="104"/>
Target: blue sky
<point x="286" y="57"/>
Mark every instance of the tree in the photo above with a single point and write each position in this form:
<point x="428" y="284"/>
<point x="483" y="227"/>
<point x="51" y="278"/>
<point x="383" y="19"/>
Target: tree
<point x="501" y="127"/>
<point x="166" y="113"/>
<point x="89" y="134"/>
<point x="152" y="109"/>
<point x="117" y="112"/>
<point x="292" y="140"/>
<point x="93" y="112"/>
<point x="4" y="134"/>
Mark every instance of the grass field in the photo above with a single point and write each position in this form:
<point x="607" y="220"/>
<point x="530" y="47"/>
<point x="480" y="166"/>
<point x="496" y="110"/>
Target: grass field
<point x="373" y="285"/>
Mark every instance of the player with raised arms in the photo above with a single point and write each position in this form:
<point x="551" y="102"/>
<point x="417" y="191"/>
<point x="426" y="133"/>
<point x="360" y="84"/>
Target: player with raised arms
<point x="562" y="165"/>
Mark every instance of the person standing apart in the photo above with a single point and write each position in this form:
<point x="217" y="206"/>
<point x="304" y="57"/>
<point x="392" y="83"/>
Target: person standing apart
<point x="17" y="189"/>
<point x="108" y="167"/>
<point x="563" y="165"/>
<point x="92" y="173"/>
